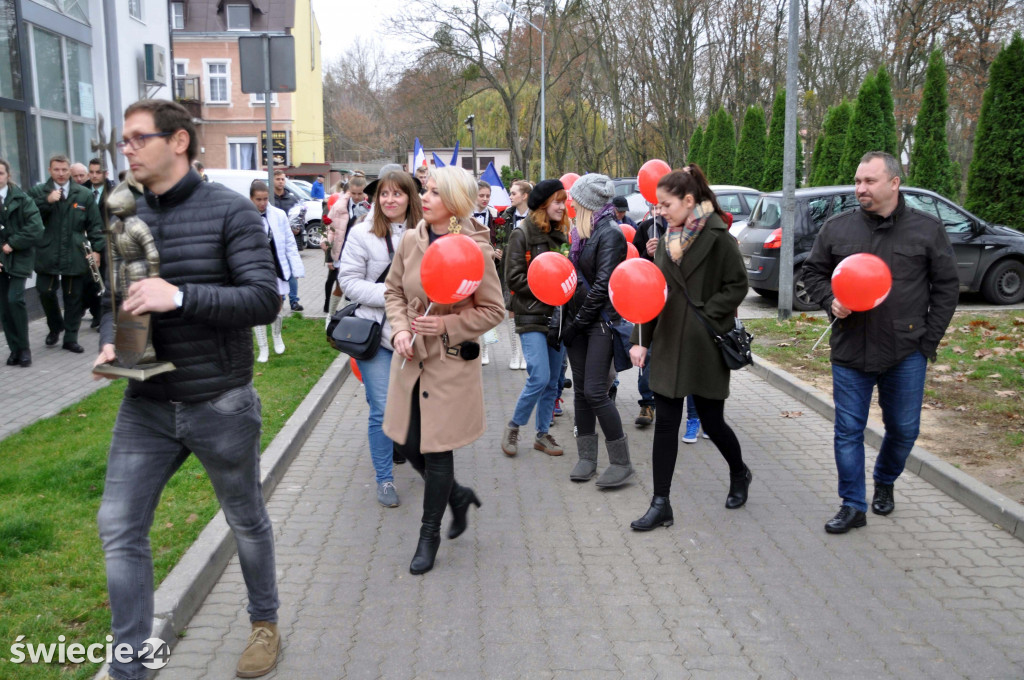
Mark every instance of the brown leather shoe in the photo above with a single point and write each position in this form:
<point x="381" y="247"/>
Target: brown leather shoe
<point x="260" y="655"/>
<point x="547" y="444"/>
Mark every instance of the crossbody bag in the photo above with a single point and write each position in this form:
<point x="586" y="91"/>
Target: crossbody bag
<point x="353" y="335"/>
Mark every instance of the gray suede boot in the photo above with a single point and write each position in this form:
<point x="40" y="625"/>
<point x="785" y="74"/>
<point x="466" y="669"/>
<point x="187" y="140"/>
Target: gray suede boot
<point x="586" y="468"/>
<point x="619" y="468"/>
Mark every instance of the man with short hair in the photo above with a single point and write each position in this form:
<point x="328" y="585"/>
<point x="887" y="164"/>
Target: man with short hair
<point x="71" y="218"/>
<point x="283" y="198"/>
<point x="316" y="192"/>
<point x="621" y="206"/>
<point x="201" y="169"/>
<point x="216" y="282"/>
<point x="98" y="184"/>
<point x="80" y="174"/>
<point x="887" y="346"/>
<point x="422" y="172"/>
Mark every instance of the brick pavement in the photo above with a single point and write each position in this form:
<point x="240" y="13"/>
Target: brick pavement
<point x="58" y="378"/>
<point x="549" y="581"/>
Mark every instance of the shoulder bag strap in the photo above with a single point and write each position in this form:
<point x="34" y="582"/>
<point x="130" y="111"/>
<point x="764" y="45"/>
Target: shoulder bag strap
<point x="714" y="334"/>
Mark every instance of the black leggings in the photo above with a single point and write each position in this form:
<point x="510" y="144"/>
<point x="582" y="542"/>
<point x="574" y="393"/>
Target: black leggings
<point x="666" y="437"/>
<point x="590" y="356"/>
<point x="332" y="276"/>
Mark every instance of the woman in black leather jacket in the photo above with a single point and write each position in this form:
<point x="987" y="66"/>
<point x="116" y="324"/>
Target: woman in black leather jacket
<point x="598" y="246"/>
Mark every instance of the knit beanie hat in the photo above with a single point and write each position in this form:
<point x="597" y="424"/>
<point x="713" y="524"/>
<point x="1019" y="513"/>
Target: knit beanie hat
<point x="593" y="191"/>
<point x="544" y="190"/>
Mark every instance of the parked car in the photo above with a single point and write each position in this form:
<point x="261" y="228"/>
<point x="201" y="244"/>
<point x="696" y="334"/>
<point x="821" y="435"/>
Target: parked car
<point x="990" y="258"/>
<point x="240" y="180"/>
<point x="628" y="187"/>
<point x="736" y="200"/>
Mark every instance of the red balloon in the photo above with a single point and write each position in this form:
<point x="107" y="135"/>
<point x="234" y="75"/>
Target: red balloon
<point x="637" y="290"/>
<point x="552" y="278"/>
<point x="568" y="179"/>
<point x="355" y="369"/>
<point x="631" y="251"/>
<point x="628" y="231"/>
<point x="570" y="209"/>
<point x="861" y="282"/>
<point x="332" y="199"/>
<point x="452" y="269"/>
<point x="647" y="178"/>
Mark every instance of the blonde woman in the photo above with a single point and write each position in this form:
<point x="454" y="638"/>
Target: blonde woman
<point x="435" y="400"/>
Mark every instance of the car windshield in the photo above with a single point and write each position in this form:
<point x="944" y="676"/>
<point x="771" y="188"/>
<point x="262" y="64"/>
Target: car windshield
<point x="297" y="189"/>
<point x="730" y="203"/>
<point x="767" y="213"/>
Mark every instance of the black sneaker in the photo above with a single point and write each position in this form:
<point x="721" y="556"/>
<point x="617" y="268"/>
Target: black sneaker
<point x="883" y="502"/>
<point x="296" y="307"/>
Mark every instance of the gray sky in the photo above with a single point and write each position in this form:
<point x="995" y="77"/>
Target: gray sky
<point x="343" y="23"/>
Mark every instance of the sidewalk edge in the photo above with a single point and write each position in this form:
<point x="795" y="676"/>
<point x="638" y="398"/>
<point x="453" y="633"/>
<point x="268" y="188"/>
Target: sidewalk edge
<point x="183" y="590"/>
<point x="982" y="499"/>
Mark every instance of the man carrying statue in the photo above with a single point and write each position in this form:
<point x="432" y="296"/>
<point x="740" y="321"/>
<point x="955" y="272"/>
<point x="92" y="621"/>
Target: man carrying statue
<point x="215" y="281"/>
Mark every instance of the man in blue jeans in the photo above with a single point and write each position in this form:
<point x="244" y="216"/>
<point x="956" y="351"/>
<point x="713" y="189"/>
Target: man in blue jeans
<point x="888" y="345"/>
<point x="216" y="281"/>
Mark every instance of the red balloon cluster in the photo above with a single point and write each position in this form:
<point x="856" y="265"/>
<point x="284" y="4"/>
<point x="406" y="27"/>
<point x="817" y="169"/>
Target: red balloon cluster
<point x="332" y="199"/>
<point x="567" y="180"/>
<point x="637" y="290"/>
<point x="355" y="369"/>
<point x="631" y="251"/>
<point x="452" y="269"/>
<point x="650" y="172"/>
<point x="628" y="231"/>
<point x="552" y="278"/>
<point x="861" y="282"/>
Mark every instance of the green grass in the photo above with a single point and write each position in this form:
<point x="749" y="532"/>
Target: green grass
<point x="52" y="577"/>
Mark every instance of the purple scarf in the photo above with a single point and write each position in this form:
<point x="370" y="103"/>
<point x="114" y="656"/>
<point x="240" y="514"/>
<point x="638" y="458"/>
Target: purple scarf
<point x="577" y="242"/>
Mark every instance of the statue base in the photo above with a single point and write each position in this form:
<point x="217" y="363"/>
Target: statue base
<point x="139" y="372"/>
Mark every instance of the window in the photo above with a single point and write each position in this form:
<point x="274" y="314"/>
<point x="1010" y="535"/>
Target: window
<point x="955" y="221"/>
<point x="135" y="9"/>
<point x="467" y="164"/>
<point x="180" y="68"/>
<point x="218" y="82"/>
<point x="49" y="63"/>
<point x="242" y="153"/>
<point x="178" y="15"/>
<point x="239" y="17"/>
<point x="77" y="10"/>
<point x="729" y="203"/>
<point x="10" y="69"/>
<point x="257" y="99"/>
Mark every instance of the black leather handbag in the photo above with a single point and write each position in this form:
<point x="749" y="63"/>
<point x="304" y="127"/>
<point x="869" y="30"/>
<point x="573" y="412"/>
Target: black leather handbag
<point x="357" y="337"/>
<point x="734" y="345"/>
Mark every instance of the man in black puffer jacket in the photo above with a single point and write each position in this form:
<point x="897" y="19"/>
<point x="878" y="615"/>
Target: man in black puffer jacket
<point x="216" y="282"/>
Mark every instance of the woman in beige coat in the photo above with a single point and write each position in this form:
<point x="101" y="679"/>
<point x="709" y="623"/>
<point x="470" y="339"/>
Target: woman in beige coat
<point x="435" y="397"/>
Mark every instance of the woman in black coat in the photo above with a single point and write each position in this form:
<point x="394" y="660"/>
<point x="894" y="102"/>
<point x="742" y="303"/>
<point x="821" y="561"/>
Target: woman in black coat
<point x="699" y="258"/>
<point x="598" y="246"/>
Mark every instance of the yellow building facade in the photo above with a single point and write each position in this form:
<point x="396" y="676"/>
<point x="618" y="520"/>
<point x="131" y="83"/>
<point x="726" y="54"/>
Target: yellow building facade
<point x="307" y="100"/>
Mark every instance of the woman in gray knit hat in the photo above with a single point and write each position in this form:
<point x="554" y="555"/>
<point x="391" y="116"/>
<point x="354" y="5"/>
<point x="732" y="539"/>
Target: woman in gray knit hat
<point x="598" y="246"/>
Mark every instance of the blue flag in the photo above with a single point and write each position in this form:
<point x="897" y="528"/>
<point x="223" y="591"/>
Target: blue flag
<point x="438" y="163"/>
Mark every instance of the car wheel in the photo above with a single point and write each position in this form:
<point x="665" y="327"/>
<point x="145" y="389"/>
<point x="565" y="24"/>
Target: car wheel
<point x="314" y="234"/>
<point x="801" y="300"/>
<point x="767" y="294"/>
<point x="1004" y="283"/>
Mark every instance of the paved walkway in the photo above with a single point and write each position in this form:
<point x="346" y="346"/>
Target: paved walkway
<point x="549" y="581"/>
<point x="58" y="378"/>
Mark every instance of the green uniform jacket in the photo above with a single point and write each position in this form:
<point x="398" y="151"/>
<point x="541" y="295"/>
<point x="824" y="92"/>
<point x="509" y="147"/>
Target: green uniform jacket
<point x="67" y="225"/>
<point x="685" y="357"/>
<point x="21" y="228"/>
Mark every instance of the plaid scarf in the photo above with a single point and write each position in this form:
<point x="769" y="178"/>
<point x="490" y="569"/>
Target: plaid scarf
<point x="677" y="241"/>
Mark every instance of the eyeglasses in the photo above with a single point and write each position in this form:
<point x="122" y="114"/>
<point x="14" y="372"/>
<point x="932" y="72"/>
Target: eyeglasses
<point x="139" y="141"/>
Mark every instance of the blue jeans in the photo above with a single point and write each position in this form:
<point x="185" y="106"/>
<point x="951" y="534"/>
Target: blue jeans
<point x="376" y="372"/>
<point x="900" y="393"/>
<point x="543" y="373"/>
<point x="151" y="440"/>
<point x="293" y="292"/>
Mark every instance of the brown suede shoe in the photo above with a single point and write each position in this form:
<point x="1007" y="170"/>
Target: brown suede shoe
<point x="547" y="444"/>
<point x="260" y="655"/>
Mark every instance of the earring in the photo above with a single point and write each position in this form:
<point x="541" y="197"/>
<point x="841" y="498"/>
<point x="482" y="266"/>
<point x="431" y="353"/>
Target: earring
<point x="453" y="225"/>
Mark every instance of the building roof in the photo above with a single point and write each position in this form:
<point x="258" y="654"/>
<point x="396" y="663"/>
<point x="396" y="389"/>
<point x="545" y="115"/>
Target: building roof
<point x="210" y="16"/>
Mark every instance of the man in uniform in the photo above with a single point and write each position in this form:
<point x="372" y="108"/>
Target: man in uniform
<point x="71" y="218"/>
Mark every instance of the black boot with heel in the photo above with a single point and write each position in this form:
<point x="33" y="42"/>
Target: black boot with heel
<point x="438" y="477"/>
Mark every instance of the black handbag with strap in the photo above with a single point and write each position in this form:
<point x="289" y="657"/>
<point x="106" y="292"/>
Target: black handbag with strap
<point x="734" y="345"/>
<point x="353" y="335"/>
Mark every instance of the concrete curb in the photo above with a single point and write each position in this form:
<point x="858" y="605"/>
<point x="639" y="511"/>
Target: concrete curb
<point x="191" y="580"/>
<point x="956" y="483"/>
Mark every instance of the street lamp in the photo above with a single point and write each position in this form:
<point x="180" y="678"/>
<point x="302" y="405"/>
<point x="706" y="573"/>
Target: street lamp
<point x="505" y="9"/>
<point x="472" y="134"/>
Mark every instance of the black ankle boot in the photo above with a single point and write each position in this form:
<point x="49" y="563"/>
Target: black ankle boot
<point x="658" y="515"/>
<point x="738" y="485"/>
<point x="438" y="477"/>
<point x="460" y="500"/>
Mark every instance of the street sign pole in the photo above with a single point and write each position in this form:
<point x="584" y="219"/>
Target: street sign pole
<point x="269" y="145"/>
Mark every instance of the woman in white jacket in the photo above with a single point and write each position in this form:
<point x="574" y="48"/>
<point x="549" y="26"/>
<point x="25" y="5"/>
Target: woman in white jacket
<point x="287" y="261"/>
<point x="361" y="273"/>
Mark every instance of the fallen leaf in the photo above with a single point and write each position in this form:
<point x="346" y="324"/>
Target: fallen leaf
<point x="928" y="407"/>
<point x="191" y="518"/>
<point x="960" y="408"/>
<point x="798" y="368"/>
<point x="957" y="349"/>
<point x="169" y="525"/>
<point x="791" y="414"/>
<point x="942" y="378"/>
<point x="82" y="415"/>
<point x="995" y="376"/>
<point x="1004" y="338"/>
<point x="1006" y="393"/>
<point x="1017" y="321"/>
<point x="783" y="344"/>
<point x="983" y="323"/>
<point x="1000" y="351"/>
<point x="941" y="368"/>
<point x="982" y="354"/>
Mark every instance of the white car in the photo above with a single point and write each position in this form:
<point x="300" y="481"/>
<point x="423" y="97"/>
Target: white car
<point x="736" y="200"/>
<point x="241" y="180"/>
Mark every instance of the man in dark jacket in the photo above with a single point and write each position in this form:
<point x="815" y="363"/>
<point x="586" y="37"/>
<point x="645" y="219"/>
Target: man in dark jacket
<point x="216" y="282"/>
<point x="889" y="345"/>
<point x="20" y="230"/>
<point x="100" y="186"/>
<point x="283" y="198"/>
<point x="70" y="218"/>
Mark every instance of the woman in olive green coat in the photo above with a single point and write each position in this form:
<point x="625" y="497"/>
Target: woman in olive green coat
<point x="21" y="227"/>
<point x="698" y="257"/>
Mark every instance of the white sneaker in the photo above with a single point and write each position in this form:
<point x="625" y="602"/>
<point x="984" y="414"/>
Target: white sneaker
<point x="484" y="356"/>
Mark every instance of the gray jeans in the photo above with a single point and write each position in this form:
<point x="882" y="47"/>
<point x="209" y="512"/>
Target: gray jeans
<point x="151" y="440"/>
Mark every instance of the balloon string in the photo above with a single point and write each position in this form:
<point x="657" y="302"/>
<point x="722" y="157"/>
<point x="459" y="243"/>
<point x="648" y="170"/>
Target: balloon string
<point x="823" y="334"/>
<point x="640" y="332"/>
<point x="413" y="341"/>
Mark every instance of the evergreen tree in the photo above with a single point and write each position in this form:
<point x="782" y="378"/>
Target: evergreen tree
<point x="749" y="167"/>
<point x="696" y="144"/>
<point x="705" y="147"/>
<point x="865" y="133"/>
<point x="722" y="151"/>
<point x="885" y="101"/>
<point x="930" y="167"/>
<point x="995" y="180"/>
<point x="837" y="122"/>
<point x="771" y="180"/>
<point x="815" y="158"/>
